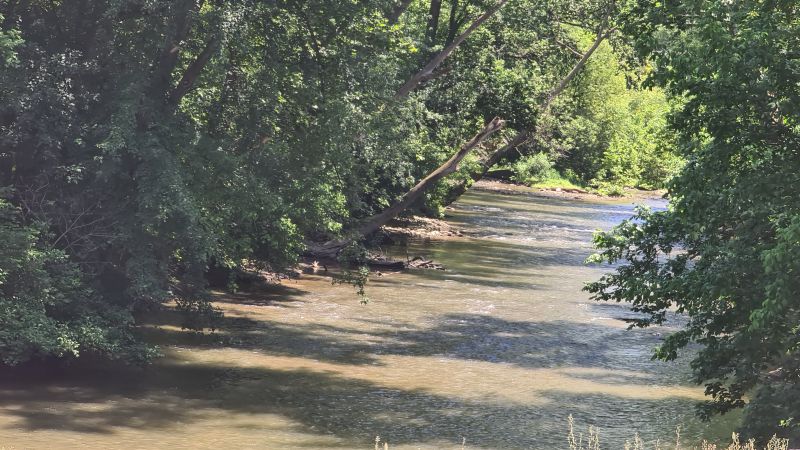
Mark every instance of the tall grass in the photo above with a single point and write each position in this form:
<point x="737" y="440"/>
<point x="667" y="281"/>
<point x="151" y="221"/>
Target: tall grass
<point x="593" y="442"/>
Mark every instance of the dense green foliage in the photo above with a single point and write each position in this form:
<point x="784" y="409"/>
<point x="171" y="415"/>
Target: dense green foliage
<point x="533" y="169"/>
<point x="143" y="142"/>
<point x="727" y="252"/>
<point x="616" y="130"/>
<point x="609" y="131"/>
<point x="45" y="304"/>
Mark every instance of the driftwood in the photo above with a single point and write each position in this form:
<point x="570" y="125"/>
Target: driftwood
<point x="386" y="264"/>
<point x="421" y="263"/>
<point x="376" y="263"/>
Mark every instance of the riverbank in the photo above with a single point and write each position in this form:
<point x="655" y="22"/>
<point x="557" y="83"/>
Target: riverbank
<point x="507" y="187"/>
<point x="420" y="227"/>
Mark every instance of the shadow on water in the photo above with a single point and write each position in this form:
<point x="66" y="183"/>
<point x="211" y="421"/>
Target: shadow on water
<point x="282" y="295"/>
<point x="175" y="392"/>
<point x="469" y="337"/>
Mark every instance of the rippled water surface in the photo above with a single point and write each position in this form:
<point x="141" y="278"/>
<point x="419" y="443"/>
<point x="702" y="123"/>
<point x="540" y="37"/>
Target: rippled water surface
<point x="499" y="349"/>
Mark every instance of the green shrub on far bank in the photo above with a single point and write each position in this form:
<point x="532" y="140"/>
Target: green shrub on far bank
<point x="538" y="171"/>
<point x="532" y="169"/>
<point x="610" y="189"/>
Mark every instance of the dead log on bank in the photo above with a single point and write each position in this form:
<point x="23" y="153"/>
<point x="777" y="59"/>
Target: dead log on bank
<point x="386" y="264"/>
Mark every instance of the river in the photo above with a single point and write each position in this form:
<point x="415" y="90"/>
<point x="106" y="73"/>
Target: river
<point x="499" y="349"/>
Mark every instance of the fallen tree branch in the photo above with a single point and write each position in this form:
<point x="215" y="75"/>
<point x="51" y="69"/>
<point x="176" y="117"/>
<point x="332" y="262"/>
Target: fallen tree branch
<point x="451" y="165"/>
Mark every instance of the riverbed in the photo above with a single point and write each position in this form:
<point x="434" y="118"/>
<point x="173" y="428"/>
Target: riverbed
<point x="496" y="351"/>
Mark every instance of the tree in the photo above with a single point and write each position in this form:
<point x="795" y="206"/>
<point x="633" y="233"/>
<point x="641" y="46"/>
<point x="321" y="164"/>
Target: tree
<point x="614" y="131"/>
<point x="590" y="16"/>
<point x="725" y="252"/>
<point x="227" y="133"/>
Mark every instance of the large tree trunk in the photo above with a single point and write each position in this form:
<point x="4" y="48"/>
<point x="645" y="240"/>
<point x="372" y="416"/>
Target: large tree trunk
<point x="450" y="166"/>
<point x="182" y="20"/>
<point x="183" y="16"/>
<point x="193" y="71"/>
<point x="427" y="71"/>
<point x="433" y="22"/>
<point x="525" y="136"/>
<point x="454" y="21"/>
<point x="399" y="8"/>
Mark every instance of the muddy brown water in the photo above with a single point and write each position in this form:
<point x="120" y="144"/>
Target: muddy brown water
<point x="498" y="349"/>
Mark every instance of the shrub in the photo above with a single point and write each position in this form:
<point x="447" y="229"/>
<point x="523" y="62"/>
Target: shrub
<point x="532" y="169"/>
<point x="46" y="307"/>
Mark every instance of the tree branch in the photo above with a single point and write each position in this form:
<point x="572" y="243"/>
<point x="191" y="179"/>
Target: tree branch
<point x="577" y="68"/>
<point x="433" y="22"/>
<point x="399" y="8"/>
<point x="168" y="59"/>
<point x="570" y="48"/>
<point x="193" y="71"/>
<point x="426" y="71"/>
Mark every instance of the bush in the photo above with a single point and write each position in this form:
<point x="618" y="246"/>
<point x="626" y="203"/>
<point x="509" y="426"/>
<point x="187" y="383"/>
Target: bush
<point x="46" y="307"/>
<point x="610" y="189"/>
<point x="532" y="169"/>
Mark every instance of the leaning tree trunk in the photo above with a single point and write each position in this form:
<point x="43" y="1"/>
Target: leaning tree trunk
<point x="433" y="22"/>
<point x="393" y="16"/>
<point x="451" y="165"/>
<point x="331" y="249"/>
<point x="525" y="136"/>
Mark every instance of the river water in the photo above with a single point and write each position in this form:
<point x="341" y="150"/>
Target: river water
<point x="498" y="350"/>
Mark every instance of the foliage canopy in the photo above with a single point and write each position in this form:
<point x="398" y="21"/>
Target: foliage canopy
<point x="726" y="251"/>
<point x="143" y="143"/>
